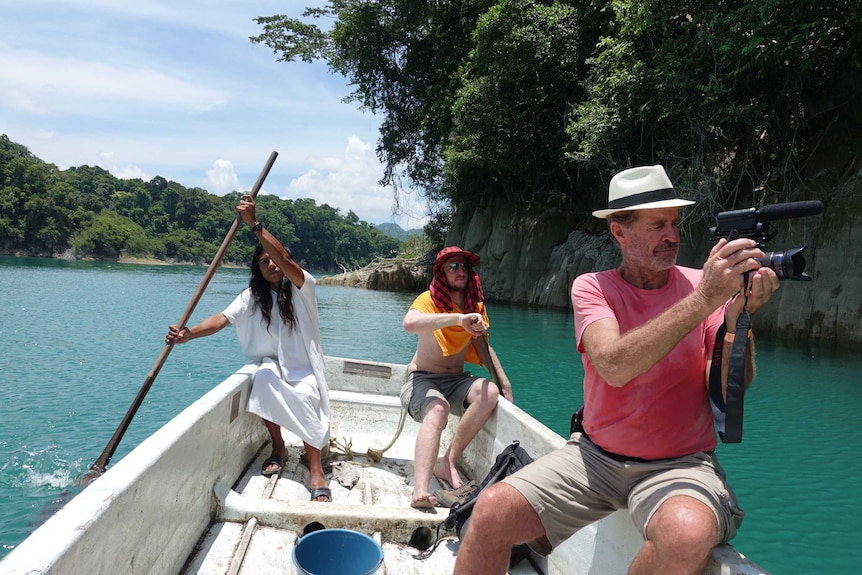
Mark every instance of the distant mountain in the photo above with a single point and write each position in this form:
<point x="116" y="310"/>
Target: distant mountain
<point x="396" y="231"/>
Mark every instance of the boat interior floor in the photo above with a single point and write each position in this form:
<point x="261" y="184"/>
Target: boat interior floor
<point x="259" y="519"/>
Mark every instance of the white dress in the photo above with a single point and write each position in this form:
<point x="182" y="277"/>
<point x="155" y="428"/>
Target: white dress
<point x="289" y="387"/>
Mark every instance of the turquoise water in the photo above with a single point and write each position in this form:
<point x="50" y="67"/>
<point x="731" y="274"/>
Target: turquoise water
<point x="78" y="340"/>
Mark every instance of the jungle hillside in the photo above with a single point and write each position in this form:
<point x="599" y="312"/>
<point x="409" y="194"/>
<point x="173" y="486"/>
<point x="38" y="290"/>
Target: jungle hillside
<point x="87" y="213"/>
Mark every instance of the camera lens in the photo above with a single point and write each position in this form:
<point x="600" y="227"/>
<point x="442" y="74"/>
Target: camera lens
<point x="789" y="265"/>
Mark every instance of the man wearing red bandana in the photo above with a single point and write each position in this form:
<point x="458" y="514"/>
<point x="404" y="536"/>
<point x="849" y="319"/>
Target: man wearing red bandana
<point x="451" y="323"/>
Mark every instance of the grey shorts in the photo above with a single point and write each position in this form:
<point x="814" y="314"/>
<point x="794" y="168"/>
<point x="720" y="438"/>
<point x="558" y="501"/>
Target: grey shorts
<point x="579" y="484"/>
<point x="423" y="387"/>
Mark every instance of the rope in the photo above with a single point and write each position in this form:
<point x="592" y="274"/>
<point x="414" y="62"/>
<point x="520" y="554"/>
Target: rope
<point x="375" y="455"/>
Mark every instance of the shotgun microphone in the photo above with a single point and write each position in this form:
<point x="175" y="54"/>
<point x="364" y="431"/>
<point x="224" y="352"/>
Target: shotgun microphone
<point x="754" y="223"/>
<point x="789" y="210"/>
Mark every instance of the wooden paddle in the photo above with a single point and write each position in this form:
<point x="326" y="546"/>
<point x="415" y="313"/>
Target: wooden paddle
<point x="101" y="464"/>
<point x="481" y="347"/>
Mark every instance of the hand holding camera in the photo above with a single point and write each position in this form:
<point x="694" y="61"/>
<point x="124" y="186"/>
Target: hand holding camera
<point x="754" y="223"/>
<point x="734" y="266"/>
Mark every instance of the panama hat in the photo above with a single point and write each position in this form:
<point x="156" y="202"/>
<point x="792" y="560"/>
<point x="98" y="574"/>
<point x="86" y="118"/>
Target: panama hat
<point x="641" y="188"/>
<point x="451" y="252"/>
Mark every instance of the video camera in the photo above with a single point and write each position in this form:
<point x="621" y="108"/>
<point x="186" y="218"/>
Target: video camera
<point x="754" y="223"/>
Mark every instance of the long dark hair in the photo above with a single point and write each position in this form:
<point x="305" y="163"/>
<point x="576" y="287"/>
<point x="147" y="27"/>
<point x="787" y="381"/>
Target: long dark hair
<point x="260" y="289"/>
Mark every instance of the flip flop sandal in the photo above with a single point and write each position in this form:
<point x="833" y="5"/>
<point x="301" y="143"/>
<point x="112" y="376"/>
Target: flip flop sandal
<point x="275" y="460"/>
<point x="321" y="492"/>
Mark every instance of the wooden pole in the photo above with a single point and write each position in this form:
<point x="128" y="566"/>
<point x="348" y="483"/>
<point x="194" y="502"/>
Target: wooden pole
<point x="101" y="464"/>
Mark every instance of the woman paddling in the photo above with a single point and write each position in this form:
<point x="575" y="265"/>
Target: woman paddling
<point x="289" y="388"/>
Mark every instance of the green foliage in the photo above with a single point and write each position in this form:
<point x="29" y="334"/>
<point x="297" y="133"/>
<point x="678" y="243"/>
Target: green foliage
<point x="509" y="116"/>
<point x="729" y="96"/>
<point x="293" y="38"/>
<point x="47" y="211"/>
<point x="188" y="246"/>
<point x="538" y="103"/>
<point x="414" y="247"/>
<point x="403" y="57"/>
<point x="106" y="237"/>
<point x="438" y="224"/>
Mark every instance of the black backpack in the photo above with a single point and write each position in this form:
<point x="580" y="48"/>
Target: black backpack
<point x="510" y="460"/>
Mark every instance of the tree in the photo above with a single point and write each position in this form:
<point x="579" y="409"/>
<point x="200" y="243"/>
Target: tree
<point x="518" y="82"/>
<point x="107" y="236"/>
<point x="403" y="57"/>
<point x="43" y="209"/>
<point x="10" y="150"/>
<point x="51" y="217"/>
<point x="729" y="96"/>
<point x="538" y="103"/>
<point x="93" y="186"/>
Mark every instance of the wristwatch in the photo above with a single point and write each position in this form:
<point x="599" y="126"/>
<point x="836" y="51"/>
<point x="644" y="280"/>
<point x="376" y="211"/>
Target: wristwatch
<point x="257" y="227"/>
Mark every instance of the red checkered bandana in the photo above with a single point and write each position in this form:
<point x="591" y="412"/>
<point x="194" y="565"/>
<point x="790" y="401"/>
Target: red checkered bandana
<point x="440" y="291"/>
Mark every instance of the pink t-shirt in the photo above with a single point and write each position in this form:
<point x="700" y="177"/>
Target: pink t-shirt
<point x="664" y="412"/>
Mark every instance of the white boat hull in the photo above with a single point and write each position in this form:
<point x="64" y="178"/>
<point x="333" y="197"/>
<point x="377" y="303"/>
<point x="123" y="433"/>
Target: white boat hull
<point x="190" y="498"/>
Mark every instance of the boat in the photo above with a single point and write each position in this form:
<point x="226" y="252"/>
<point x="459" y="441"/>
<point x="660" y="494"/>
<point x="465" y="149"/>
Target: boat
<point x="190" y="498"/>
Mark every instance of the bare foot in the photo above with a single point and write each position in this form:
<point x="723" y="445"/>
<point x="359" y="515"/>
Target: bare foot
<point x="426" y="501"/>
<point x="448" y="473"/>
<point x="317" y="480"/>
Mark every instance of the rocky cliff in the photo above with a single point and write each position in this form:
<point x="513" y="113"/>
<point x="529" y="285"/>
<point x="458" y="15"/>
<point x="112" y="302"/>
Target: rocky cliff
<point x="407" y="275"/>
<point x="532" y="261"/>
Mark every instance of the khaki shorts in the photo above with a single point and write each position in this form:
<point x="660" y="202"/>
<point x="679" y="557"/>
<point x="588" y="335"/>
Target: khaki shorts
<point x="579" y="484"/>
<point x="423" y="387"/>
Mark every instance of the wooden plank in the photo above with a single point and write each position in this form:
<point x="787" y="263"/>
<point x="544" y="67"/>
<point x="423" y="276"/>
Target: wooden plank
<point x="368" y="369"/>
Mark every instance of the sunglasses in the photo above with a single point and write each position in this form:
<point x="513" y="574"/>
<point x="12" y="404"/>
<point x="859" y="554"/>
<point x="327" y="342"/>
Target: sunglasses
<point x="453" y="266"/>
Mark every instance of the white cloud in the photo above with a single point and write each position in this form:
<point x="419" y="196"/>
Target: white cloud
<point x="349" y="182"/>
<point x="176" y="89"/>
<point x="222" y="178"/>
<point x="122" y="171"/>
<point x="130" y="172"/>
<point x="48" y="85"/>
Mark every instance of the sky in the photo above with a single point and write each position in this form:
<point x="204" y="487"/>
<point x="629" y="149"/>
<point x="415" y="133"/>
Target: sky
<point x="150" y="88"/>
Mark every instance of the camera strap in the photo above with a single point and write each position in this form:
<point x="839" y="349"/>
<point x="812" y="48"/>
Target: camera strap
<point x="727" y="409"/>
<point x="736" y="381"/>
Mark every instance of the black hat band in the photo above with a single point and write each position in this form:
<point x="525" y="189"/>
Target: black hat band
<point x="642" y="198"/>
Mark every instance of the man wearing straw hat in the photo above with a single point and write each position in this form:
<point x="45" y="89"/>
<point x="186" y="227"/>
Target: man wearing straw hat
<point x="451" y="323"/>
<point x="646" y="332"/>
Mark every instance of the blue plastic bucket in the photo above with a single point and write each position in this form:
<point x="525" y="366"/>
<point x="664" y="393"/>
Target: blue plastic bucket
<point x="337" y="552"/>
